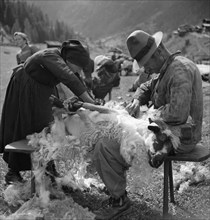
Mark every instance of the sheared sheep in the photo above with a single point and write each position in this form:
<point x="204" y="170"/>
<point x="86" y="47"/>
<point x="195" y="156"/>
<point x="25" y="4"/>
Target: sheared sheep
<point x="138" y="137"/>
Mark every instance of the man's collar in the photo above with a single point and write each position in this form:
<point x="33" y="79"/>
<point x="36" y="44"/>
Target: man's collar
<point x="168" y="62"/>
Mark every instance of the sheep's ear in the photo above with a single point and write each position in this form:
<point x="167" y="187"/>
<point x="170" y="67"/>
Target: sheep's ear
<point x="150" y="120"/>
<point x="154" y="127"/>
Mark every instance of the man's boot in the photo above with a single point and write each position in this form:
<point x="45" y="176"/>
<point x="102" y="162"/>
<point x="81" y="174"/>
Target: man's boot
<point x="13" y="176"/>
<point x="114" y="209"/>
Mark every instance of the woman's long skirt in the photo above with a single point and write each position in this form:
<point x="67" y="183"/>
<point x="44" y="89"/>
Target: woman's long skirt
<point x="27" y="109"/>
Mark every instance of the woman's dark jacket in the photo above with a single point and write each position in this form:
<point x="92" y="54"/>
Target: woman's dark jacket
<point x="27" y="108"/>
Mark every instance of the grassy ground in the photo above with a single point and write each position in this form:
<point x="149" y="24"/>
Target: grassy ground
<point x="193" y="203"/>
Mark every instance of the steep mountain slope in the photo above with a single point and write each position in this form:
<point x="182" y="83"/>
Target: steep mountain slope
<point x="97" y="19"/>
<point x="193" y="45"/>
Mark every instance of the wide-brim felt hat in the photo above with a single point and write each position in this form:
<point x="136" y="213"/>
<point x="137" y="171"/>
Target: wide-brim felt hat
<point x="142" y="45"/>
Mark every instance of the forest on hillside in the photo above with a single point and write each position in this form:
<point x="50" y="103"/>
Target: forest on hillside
<point x="18" y="15"/>
<point x="99" y="19"/>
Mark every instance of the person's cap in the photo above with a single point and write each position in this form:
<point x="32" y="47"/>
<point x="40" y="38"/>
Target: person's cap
<point x="142" y="45"/>
<point x="75" y="52"/>
<point x="100" y="61"/>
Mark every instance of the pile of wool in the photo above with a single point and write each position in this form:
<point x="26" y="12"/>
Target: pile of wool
<point x="30" y="210"/>
<point x="56" y="209"/>
<point x="17" y="193"/>
<point x="69" y="156"/>
<point x="190" y="173"/>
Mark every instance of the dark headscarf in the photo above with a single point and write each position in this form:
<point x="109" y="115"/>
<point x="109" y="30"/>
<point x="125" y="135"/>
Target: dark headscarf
<point x="75" y="52"/>
<point x="89" y="69"/>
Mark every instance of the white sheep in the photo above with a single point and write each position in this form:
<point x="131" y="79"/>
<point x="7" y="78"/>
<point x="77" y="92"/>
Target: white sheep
<point x="135" y="135"/>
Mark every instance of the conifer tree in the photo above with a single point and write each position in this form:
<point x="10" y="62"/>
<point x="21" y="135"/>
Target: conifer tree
<point x="9" y="18"/>
<point x="15" y="27"/>
<point x="2" y="9"/>
<point x="18" y="15"/>
<point x="28" y="28"/>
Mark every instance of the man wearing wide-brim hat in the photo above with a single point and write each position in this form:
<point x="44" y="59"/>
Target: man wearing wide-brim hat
<point x="177" y="90"/>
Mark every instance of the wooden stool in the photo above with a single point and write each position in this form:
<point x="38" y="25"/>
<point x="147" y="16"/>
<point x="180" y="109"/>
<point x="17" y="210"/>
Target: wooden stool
<point x="200" y="153"/>
<point x="23" y="147"/>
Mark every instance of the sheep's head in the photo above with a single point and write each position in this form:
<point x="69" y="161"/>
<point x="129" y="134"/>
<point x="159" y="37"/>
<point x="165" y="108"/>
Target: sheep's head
<point x="159" y="143"/>
<point x="78" y="123"/>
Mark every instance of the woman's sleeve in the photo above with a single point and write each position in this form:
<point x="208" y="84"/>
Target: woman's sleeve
<point x="54" y="63"/>
<point x="18" y="59"/>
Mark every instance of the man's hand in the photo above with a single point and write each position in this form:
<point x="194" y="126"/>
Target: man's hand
<point x="133" y="108"/>
<point x="99" y="101"/>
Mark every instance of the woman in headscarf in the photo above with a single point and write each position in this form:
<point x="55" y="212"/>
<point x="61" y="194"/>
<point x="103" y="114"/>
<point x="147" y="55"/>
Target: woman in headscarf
<point x="27" y="108"/>
<point x="26" y="50"/>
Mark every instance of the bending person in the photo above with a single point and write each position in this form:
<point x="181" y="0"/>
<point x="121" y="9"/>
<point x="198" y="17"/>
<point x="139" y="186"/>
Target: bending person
<point x="27" y="108"/>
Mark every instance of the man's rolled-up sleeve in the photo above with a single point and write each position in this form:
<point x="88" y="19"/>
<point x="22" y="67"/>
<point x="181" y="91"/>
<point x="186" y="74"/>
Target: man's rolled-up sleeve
<point x="144" y="91"/>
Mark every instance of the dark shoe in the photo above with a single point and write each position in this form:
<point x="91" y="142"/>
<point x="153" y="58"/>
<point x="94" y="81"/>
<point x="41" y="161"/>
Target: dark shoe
<point x="13" y="176"/>
<point x="114" y="209"/>
<point x="51" y="171"/>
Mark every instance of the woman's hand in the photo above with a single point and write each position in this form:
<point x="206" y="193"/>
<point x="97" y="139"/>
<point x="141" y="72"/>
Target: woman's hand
<point x="133" y="108"/>
<point x="87" y="98"/>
